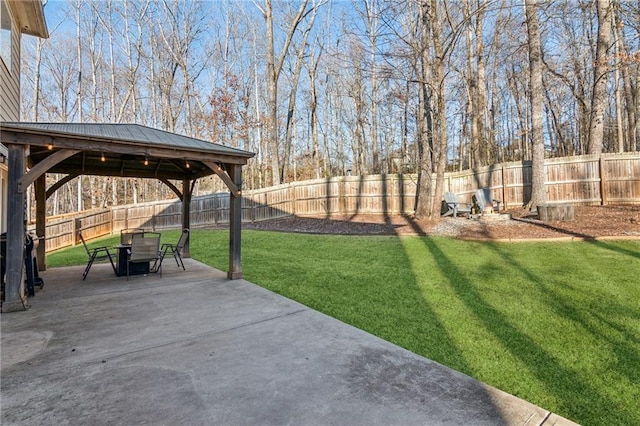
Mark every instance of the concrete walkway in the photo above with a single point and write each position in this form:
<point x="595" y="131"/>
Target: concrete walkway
<point x="194" y="348"/>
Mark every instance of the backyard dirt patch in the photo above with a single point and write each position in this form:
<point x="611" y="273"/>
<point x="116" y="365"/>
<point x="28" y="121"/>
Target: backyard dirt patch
<point x="590" y="222"/>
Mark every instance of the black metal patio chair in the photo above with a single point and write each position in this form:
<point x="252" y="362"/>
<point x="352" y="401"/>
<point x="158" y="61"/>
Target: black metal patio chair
<point x="175" y="249"/>
<point x="95" y="254"/>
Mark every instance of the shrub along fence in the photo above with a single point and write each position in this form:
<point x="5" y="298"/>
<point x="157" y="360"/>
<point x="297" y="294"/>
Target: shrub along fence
<point x="582" y="180"/>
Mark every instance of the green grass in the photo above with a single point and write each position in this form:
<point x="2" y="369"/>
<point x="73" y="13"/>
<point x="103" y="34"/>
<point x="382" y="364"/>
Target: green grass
<point x="557" y="324"/>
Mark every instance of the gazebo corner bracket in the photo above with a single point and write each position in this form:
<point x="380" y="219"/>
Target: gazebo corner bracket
<point x="42" y="167"/>
<point x="233" y="188"/>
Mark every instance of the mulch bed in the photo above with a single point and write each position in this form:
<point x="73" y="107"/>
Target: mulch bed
<point x="590" y="222"/>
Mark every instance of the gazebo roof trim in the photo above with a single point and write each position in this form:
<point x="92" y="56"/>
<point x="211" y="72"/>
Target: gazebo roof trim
<point x="132" y="133"/>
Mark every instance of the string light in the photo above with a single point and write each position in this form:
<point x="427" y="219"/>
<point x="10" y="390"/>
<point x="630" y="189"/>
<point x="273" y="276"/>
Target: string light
<point x="102" y="157"/>
<point x="50" y="147"/>
<point x="146" y="161"/>
<point x="187" y="165"/>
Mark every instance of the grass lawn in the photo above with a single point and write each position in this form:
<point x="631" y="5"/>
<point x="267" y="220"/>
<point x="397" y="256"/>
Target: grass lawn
<point x="557" y="324"/>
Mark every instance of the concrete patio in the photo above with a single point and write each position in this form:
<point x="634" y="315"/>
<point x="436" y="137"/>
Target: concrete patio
<point x="193" y="348"/>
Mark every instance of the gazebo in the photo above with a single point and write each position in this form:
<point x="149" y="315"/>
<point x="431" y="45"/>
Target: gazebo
<point x="122" y="150"/>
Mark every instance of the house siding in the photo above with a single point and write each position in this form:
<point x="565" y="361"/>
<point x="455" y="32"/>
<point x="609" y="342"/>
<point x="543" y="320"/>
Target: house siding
<point x="4" y="176"/>
<point x="10" y="103"/>
<point x="9" y="109"/>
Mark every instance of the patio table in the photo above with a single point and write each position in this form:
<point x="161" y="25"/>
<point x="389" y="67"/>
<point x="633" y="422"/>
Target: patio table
<point x="135" y="268"/>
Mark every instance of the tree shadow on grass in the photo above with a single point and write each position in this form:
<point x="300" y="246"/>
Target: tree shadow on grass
<point x="561" y="382"/>
<point x="616" y="248"/>
<point x="579" y="235"/>
<point x="591" y="319"/>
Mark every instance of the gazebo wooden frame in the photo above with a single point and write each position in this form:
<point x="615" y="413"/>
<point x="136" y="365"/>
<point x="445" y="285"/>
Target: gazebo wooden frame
<point x="123" y="150"/>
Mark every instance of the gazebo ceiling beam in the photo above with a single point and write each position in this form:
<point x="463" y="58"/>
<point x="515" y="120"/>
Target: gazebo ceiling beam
<point x="176" y="175"/>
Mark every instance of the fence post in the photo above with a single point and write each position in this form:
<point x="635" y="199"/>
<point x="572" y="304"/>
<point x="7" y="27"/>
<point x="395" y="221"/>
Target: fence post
<point x="603" y="182"/>
<point x="252" y="212"/>
<point x="292" y="197"/>
<point x="77" y="227"/>
<point x="505" y="202"/>
<point x="341" y="195"/>
<point x="392" y="198"/>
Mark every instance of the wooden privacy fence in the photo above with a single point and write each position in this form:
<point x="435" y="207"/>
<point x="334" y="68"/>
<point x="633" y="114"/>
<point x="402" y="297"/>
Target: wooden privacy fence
<point x="583" y="180"/>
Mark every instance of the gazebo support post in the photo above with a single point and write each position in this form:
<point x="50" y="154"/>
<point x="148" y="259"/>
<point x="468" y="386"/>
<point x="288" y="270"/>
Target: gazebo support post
<point x="186" y="213"/>
<point x="14" y="288"/>
<point x="41" y="219"/>
<point x="235" y="225"/>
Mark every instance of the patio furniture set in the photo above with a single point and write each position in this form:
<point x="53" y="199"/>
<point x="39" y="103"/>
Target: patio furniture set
<point x="139" y="252"/>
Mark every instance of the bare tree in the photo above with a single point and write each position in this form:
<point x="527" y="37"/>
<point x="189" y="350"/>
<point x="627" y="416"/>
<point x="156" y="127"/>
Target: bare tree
<point x="133" y="51"/>
<point x="372" y="18"/>
<point x="274" y="67"/>
<point x="476" y="80"/>
<point x="293" y="92"/>
<point x="631" y="98"/>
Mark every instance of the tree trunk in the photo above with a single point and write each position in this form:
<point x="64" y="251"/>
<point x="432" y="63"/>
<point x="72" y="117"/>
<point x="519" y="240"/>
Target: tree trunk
<point x="472" y="82"/>
<point x="36" y="81"/>
<point x="536" y="102"/>
<point x="273" y="97"/>
<point x="424" y="204"/>
<point x="439" y="127"/>
<point x="112" y="64"/>
<point x="313" y="67"/>
<point x="79" y="53"/>
<point x="600" y="73"/>
<point x="291" y="109"/>
<point x="481" y="90"/>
